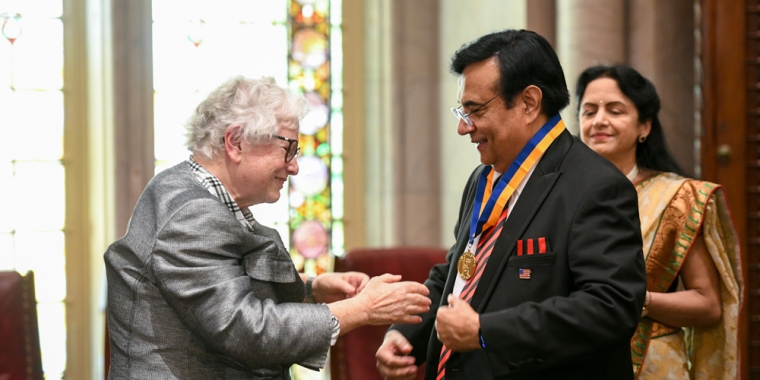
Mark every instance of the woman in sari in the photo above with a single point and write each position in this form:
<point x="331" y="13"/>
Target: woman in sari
<point x="689" y="324"/>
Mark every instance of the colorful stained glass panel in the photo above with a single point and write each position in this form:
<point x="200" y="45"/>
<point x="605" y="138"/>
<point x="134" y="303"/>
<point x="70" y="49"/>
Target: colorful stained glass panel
<point x="312" y="176"/>
<point x="318" y="116"/>
<point x="310" y="48"/>
<point x="310" y="239"/>
<point x="315" y="43"/>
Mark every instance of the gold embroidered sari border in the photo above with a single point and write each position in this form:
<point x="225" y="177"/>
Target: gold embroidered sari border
<point x="676" y="230"/>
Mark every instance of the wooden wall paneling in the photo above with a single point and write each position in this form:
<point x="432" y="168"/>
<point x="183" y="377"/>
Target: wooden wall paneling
<point x="752" y="176"/>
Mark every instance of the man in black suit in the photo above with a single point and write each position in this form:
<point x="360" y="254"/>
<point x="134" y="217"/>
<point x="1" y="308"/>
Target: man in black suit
<point x="546" y="279"/>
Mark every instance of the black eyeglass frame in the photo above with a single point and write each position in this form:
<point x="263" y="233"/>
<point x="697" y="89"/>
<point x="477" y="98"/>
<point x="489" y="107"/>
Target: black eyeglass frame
<point x="459" y="113"/>
<point x="290" y="153"/>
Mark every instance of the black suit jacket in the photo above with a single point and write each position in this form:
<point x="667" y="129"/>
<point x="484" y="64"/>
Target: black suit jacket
<point x="574" y="317"/>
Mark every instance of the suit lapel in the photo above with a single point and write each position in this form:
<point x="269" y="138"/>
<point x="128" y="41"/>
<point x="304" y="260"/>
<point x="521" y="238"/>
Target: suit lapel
<point x="531" y="198"/>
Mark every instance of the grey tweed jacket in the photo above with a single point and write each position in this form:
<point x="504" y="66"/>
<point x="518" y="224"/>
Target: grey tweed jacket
<point x="192" y="294"/>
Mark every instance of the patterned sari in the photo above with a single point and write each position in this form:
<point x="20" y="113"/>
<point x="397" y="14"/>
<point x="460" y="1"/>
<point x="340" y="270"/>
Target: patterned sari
<point x="673" y="211"/>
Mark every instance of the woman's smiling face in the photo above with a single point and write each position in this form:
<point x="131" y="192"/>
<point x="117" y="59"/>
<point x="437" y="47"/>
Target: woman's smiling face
<point x="609" y="121"/>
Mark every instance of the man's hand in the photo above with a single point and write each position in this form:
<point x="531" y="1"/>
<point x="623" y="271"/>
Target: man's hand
<point x="384" y="301"/>
<point x="458" y="326"/>
<point x="393" y="360"/>
<point x="332" y="287"/>
<point x="389" y="300"/>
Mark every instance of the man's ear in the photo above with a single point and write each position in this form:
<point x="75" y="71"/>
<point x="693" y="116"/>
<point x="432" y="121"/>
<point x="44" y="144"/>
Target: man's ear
<point x="532" y="97"/>
<point x="232" y="137"/>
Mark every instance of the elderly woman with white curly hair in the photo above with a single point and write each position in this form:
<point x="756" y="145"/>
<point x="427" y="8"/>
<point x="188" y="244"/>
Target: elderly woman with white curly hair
<point x="197" y="289"/>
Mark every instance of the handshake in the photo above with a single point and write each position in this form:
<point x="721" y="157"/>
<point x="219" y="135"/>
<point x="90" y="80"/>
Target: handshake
<point x="356" y="300"/>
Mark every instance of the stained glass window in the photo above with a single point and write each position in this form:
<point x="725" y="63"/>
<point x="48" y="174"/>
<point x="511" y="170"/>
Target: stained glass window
<point x="316" y="193"/>
<point x="32" y="196"/>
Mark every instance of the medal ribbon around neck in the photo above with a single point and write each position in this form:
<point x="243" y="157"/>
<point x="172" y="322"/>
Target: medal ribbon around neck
<point x="485" y="215"/>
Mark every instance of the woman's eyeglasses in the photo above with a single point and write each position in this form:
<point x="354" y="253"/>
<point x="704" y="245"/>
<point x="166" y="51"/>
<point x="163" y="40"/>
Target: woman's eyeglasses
<point x="292" y="150"/>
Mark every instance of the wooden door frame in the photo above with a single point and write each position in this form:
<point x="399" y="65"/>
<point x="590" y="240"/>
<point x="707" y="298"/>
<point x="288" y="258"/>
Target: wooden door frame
<point x="724" y="122"/>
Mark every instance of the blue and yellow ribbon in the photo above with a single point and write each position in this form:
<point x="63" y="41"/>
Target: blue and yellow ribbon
<point x="485" y="215"/>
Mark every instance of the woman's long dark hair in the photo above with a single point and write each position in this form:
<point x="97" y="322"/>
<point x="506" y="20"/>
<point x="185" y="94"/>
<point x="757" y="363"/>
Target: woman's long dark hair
<point x="653" y="153"/>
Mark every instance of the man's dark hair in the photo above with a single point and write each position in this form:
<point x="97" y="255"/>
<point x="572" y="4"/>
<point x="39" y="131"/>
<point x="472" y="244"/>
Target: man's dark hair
<point x="653" y="153"/>
<point x="525" y="58"/>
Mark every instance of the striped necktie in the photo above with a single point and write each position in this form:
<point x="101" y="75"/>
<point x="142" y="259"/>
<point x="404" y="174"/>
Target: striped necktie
<point x="485" y="247"/>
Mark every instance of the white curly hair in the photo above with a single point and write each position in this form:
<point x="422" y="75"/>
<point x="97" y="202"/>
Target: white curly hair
<point x="259" y="106"/>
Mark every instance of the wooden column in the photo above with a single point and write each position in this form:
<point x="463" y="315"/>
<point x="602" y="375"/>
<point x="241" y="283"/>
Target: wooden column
<point x="584" y="41"/>
<point x="353" y="132"/>
<point x="542" y="19"/>
<point x="415" y="123"/>
<point x="132" y="26"/>
<point x="661" y="47"/>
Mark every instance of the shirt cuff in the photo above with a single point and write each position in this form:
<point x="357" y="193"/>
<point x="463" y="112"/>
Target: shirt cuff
<point x="335" y="329"/>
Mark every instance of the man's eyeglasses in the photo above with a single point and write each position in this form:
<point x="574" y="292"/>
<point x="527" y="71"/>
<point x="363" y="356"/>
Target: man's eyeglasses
<point x="459" y="113"/>
<point x="292" y="150"/>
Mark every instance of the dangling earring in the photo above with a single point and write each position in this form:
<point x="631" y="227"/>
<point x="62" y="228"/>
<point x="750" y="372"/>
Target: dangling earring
<point x="642" y="138"/>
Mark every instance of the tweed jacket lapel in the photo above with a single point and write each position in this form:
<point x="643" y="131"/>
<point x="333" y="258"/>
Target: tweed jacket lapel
<point x="267" y="259"/>
<point x="270" y="262"/>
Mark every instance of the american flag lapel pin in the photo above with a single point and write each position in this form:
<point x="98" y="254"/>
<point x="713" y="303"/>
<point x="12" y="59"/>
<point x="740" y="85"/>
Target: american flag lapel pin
<point x="524" y="274"/>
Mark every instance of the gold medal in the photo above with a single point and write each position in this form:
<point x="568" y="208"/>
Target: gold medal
<point x="466" y="265"/>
